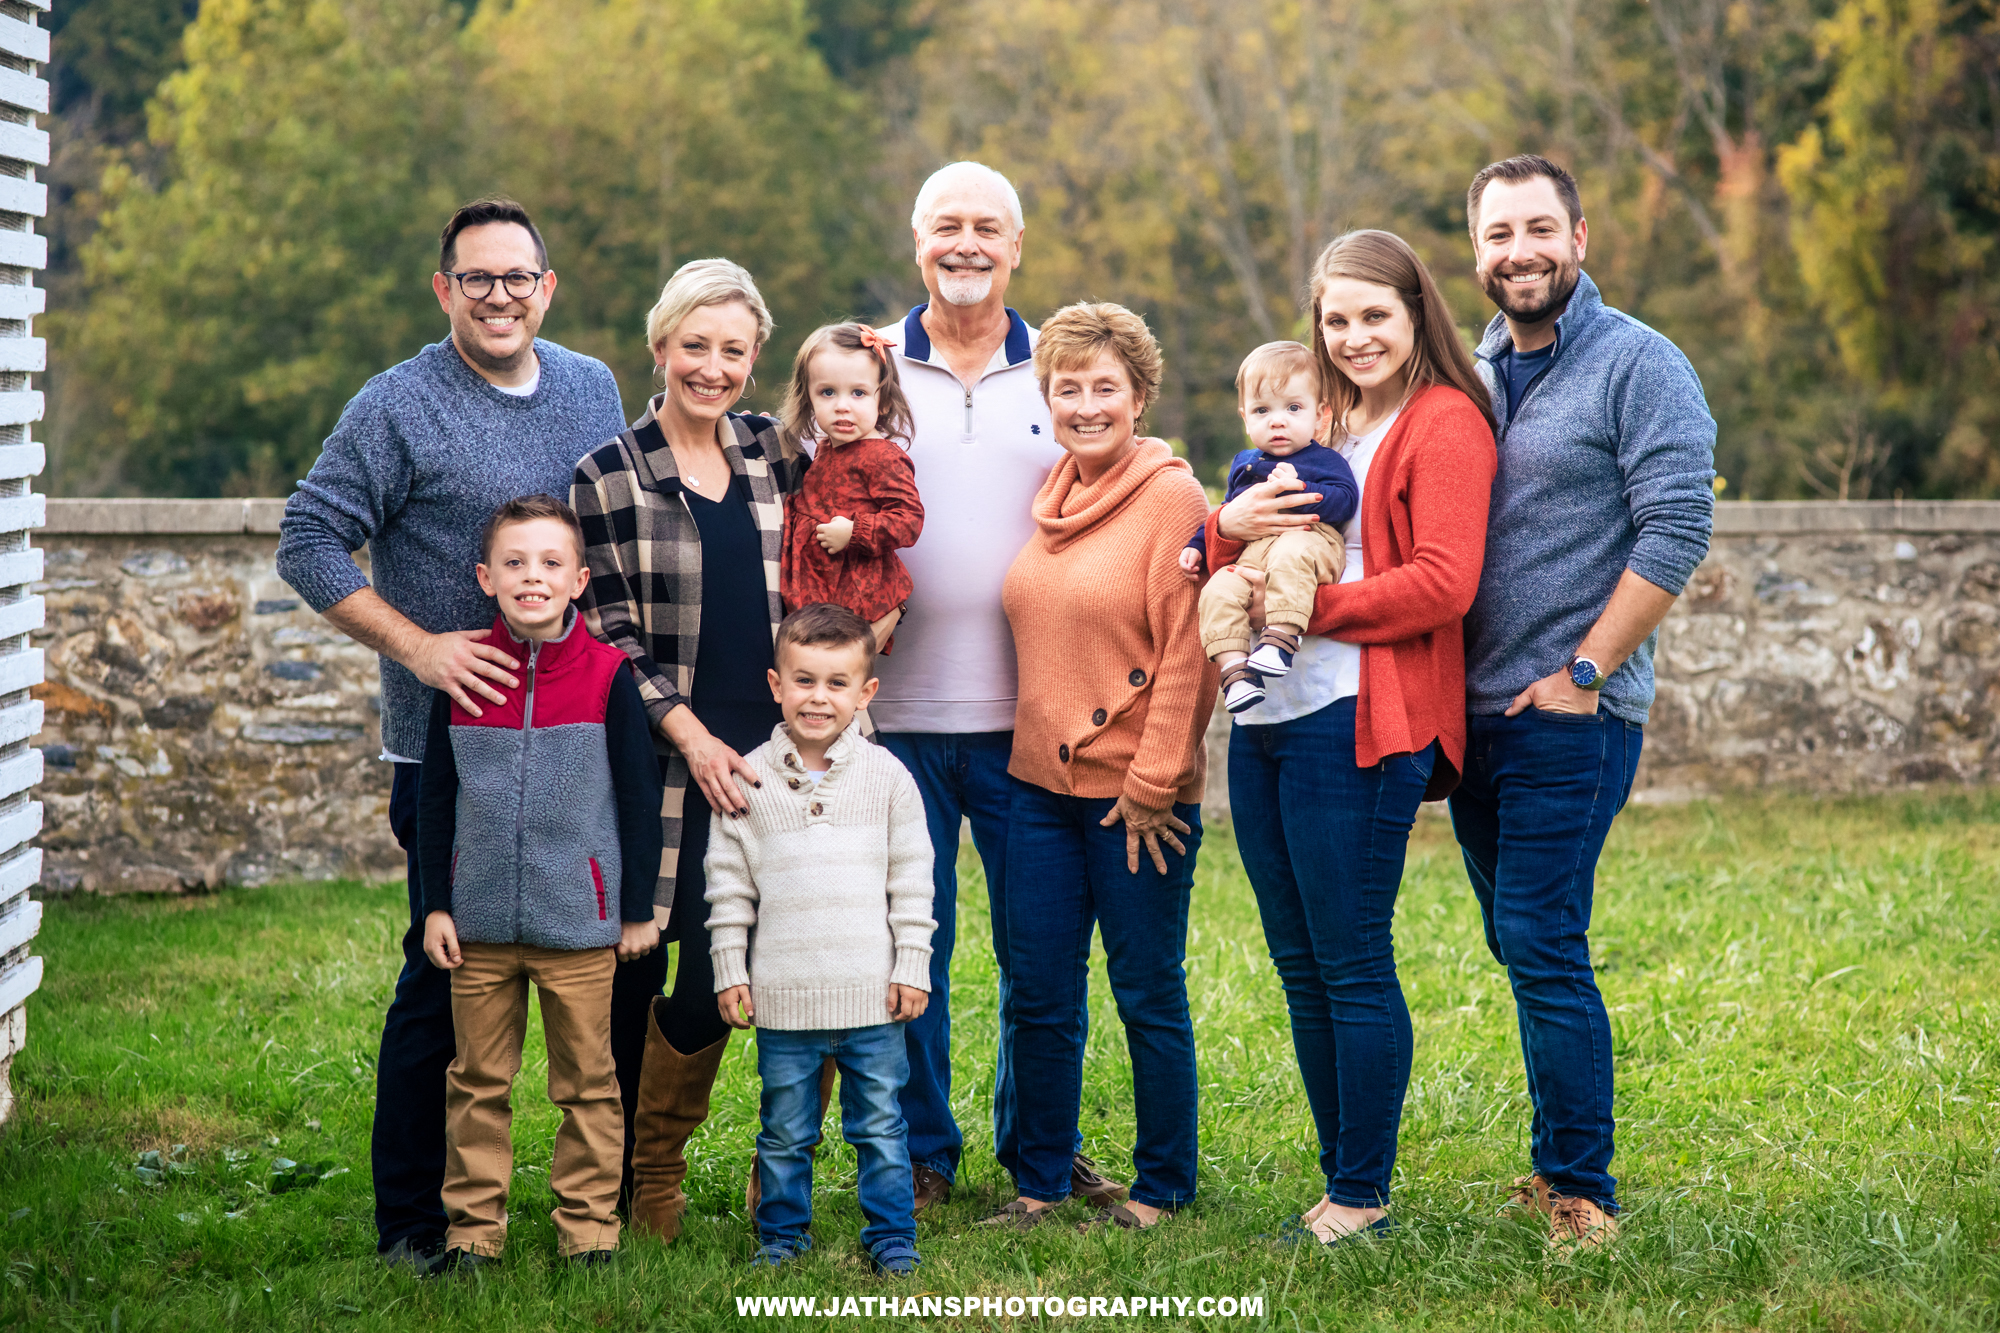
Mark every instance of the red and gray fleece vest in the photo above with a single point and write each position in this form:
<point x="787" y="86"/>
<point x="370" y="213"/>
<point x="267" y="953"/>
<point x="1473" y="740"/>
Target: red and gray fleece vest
<point x="535" y="852"/>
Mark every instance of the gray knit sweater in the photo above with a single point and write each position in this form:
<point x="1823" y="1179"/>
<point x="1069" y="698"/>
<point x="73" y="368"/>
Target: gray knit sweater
<point x="820" y="895"/>
<point x="1604" y="467"/>
<point x="418" y="462"/>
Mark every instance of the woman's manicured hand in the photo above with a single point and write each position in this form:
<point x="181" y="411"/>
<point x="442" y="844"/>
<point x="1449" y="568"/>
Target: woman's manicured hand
<point x="441" y="941"/>
<point x="1151" y="827"/>
<point x="636" y="939"/>
<point x="735" y="1007"/>
<point x="713" y="765"/>
<point x="835" y="533"/>
<point x="1266" y="509"/>
<point x="1191" y="563"/>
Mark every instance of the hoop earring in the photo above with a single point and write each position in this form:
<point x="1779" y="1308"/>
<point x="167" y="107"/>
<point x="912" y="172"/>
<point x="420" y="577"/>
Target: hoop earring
<point x="749" y="386"/>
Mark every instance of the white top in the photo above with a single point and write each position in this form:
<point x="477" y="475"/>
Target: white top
<point x="1325" y="670"/>
<point x="522" y="390"/>
<point x="820" y="895"/>
<point x="980" y="457"/>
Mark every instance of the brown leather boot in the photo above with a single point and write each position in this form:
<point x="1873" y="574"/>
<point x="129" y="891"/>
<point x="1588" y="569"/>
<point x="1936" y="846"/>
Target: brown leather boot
<point x="753" y="1189"/>
<point x="673" y="1101"/>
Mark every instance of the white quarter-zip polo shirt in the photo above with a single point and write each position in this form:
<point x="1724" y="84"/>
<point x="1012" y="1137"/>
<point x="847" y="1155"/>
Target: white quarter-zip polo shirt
<point x="981" y="454"/>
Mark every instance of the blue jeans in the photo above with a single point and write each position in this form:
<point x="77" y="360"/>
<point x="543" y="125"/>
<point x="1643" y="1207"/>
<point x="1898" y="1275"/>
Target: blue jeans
<point x="1539" y="794"/>
<point x="873" y="1065"/>
<point x="1323" y="843"/>
<point x="961" y="776"/>
<point x="406" y="1144"/>
<point x="1064" y="873"/>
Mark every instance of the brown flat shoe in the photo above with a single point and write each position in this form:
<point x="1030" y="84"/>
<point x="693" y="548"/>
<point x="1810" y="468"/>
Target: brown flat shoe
<point x="1096" y="1190"/>
<point x="1579" y="1224"/>
<point x="1017" y="1216"/>
<point x="929" y="1186"/>
<point x="1531" y="1195"/>
<point x="1118" y="1215"/>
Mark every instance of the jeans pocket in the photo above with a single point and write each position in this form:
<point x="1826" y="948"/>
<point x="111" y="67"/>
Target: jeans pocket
<point x="1569" y="719"/>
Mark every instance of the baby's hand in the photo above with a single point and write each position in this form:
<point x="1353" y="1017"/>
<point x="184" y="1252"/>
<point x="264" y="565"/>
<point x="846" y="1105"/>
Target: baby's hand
<point x="441" y="941"/>
<point x="637" y="939"/>
<point x="1191" y="563"/>
<point x="906" y="1003"/>
<point x="1285" y="473"/>
<point x="737" y="1011"/>
<point x="835" y="533"/>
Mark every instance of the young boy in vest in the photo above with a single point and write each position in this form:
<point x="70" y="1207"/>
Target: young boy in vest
<point x="538" y="831"/>
<point x="820" y="928"/>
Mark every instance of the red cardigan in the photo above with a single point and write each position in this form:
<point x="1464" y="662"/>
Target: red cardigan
<point x="1423" y="539"/>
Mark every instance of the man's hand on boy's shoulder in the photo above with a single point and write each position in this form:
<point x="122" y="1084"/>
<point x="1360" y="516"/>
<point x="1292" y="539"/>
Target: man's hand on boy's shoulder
<point x="736" y="1007"/>
<point x="636" y="939"/>
<point x="441" y="941"/>
<point x="906" y="1002"/>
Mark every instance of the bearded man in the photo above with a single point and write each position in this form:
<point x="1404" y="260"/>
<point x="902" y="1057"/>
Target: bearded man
<point x="983" y="446"/>
<point x="1601" y="510"/>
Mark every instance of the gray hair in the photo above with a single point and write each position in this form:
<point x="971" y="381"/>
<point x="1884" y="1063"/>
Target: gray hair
<point x="705" y="282"/>
<point x="963" y="173"/>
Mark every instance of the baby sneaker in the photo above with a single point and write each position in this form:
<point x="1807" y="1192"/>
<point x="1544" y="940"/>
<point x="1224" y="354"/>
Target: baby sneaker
<point x="1242" y="688"/>
<point x="895" y="1258"/>
<point x="1273" y="657"/>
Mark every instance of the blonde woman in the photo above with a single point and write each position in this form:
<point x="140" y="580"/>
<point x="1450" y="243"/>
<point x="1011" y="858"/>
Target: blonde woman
<point x="682" y="516"/>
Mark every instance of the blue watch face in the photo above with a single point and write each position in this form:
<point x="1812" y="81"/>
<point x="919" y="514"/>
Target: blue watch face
<point x="1582" y="672"/>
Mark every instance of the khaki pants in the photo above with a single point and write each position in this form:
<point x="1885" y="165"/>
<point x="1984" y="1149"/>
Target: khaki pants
<point x="1295" y="564"/>
<point x="489" y="1011"/>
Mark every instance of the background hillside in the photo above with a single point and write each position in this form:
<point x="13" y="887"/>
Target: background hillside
<point x="1804" y="194"/>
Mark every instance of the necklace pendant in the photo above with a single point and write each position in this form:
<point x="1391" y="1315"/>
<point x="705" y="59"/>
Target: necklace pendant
<point x="693" y="481"/>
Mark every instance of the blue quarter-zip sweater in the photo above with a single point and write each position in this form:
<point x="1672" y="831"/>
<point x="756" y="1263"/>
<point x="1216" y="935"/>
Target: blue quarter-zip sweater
<point x="1606" y="464"/>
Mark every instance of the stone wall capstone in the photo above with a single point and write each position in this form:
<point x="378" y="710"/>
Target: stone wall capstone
<point x="205" y="728"/>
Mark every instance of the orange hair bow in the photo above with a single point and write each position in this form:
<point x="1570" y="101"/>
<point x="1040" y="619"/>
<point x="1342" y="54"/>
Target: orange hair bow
<point x="876" y="343"/>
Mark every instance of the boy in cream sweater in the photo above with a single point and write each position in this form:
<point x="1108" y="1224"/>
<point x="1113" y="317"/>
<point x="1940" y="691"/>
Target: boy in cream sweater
<point x="820" y="929"/>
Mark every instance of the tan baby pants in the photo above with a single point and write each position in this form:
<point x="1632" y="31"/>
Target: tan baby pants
<point x="489" y="1010"/>
<point x="1295" y="564"/>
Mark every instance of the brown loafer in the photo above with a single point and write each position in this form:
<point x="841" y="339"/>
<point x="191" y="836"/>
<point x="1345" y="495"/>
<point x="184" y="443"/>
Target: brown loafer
<point x="1531" y="1195"/>
<point x="1118" y="1215"/>
<point x="1096" y="1190"/>
<point x="1579" y="1224"/>
<point x="929" y="1186"/>
<point x="1017" y="1216"/>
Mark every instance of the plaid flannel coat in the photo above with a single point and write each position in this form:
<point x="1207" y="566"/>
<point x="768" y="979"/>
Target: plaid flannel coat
<point x="644" y="595"/>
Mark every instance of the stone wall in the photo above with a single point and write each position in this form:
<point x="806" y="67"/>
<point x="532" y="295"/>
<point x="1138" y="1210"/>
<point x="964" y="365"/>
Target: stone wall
<point x="204" y="728"/>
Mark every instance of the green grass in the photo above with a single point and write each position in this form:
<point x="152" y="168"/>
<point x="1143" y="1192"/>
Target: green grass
<point x="1804" y="1001"/>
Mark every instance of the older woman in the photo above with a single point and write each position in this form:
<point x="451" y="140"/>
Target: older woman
<point x="683" y="515"/>
<point x="1107" y="766"/>
<point x="1326" y="774"/>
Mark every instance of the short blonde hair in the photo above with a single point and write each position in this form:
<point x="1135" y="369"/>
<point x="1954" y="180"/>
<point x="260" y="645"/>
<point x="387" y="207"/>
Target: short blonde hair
<point x="705" y="282"/>
<point x="1275" y="365"/>
<point x="1077" y="335"/>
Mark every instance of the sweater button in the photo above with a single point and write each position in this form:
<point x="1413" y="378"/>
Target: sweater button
<point x="1137" y="678"/>
<point x="1062" y="753"/>
<point x="793" y="783"/>
<point x="817" y="808"/>
<point x="1097" y="718"/>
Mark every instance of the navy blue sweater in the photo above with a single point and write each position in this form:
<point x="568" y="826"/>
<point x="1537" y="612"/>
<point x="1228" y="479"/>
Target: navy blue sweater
<point x="1323" y="470"/>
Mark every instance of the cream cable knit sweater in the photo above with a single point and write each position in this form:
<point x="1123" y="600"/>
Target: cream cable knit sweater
<point x="833" y="881"/>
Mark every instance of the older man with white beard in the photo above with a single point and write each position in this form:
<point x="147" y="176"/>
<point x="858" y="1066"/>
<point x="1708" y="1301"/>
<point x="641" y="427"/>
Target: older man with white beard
<point x="983" y="446"/>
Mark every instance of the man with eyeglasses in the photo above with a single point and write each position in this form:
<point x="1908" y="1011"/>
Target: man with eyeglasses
<point x="420" y="459"/>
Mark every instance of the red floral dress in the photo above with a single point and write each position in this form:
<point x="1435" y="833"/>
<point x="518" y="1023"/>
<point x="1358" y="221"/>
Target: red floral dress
<point x="873" y="483"/>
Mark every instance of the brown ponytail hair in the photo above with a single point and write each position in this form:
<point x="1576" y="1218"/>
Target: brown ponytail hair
<point x="893" y="420"/>
<point x="1387" y="260"/>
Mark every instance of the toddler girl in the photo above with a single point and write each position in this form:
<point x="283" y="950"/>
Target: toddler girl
<point x="859" y="500"/>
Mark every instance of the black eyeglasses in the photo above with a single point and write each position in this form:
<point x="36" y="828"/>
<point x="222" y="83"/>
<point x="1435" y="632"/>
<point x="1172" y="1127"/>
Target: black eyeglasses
<point x="478" y="286"/>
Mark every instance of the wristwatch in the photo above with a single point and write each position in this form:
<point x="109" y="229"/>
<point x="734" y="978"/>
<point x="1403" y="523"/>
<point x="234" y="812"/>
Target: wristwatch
<point x="1584" y="674"/>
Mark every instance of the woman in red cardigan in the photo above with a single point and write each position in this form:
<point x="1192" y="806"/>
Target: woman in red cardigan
<point x="1326" y="774"/>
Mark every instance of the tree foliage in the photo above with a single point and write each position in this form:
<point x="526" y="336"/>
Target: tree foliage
<point x="1804" y="194"/>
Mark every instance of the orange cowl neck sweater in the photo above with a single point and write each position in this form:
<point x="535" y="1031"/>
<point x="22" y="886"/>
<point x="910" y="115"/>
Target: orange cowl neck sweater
<point x="1115" y="692"/>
